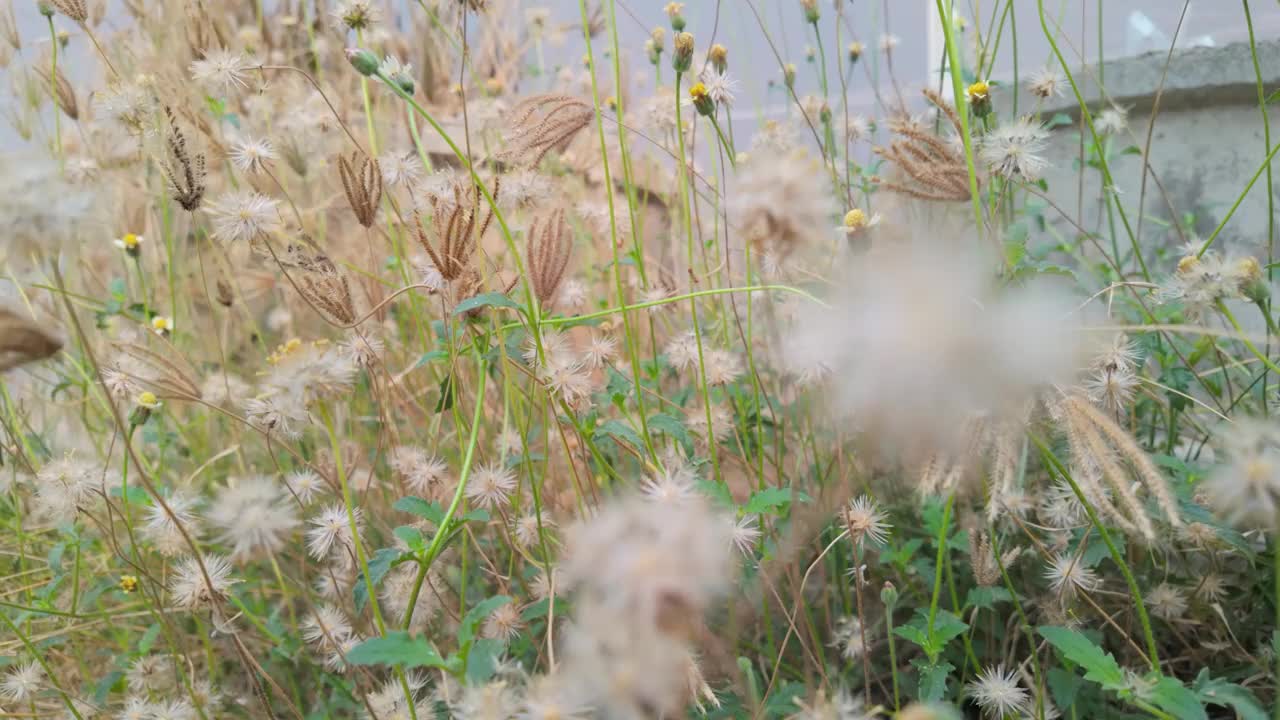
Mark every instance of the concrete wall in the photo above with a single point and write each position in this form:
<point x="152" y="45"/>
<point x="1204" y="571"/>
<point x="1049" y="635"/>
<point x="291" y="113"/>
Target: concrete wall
<point x="1206" y="144"/>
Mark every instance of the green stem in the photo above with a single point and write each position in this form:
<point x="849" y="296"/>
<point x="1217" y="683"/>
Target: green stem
<point x="1226" y="312"/>
<point x="693" y="307"/>
<point x="442" y="532"/>
<point x="53" y="94"/>
<point x="937" y="574"/>
<point x="1057" y="465"/>
<point x="957" y="88"/>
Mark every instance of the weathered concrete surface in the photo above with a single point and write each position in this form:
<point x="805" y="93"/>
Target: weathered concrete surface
<point x="1206" y="144"/>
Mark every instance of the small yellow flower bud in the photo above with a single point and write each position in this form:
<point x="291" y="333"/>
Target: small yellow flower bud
<point x="702" y="101"/>
<point x="162" y="325"/>
<point x="1188" y="263"/>
<point x="855" y="51"/>
<point x="148" y="399"/>
<point x="980" y="98"/>
<point x="683" y="56"/>
<point x="855" y="219"/>
<point x="128" y="584"/>
<point x="719" y="57"/>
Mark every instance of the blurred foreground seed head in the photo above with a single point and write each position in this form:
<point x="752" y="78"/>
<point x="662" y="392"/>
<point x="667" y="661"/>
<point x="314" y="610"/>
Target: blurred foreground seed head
<point x="919" y="340"/>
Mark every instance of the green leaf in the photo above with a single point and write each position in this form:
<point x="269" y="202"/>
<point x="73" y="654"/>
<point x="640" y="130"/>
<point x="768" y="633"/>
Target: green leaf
<point x="490" y="299"/>
<point x="1273" y="97"/>
<point x="467" y="630"/>
<point x="619" y="385"/>
<point x="618" y="430"/>
<point x="1064" y="685"/>
<point x="717" y="491"/>
<point x="1099" y="665"/>
<point x="1057" y="120"/>
<point x="482" y="660"/>
<point x="379" y="565"/>
<point x="1174" y="697"/>
<point x="446" y="394"/>
<point x="772" y="500"/>
<point x="429" y="511"/>
<point x="673" y="428"/>
<point x="1221" y="692"/>
<point x="946" y="627"/>
<point x="933" y="679"/>
<point x="411" y="536"/>
<point x="396" y="648"/>
<point x="986" y="597"/>
<point x="431" y="357"/>
<point x="105" y="685"/>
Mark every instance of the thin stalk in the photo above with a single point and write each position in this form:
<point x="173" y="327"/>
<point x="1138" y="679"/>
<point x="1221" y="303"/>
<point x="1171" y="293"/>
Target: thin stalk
<point x="693" y="307"/>
<point x="1153" y="652"/>
<point x="957" y="88"/>
<point x="937" y="575"/>
<point x="53" y="94"/>
<point x="442" y="531"/>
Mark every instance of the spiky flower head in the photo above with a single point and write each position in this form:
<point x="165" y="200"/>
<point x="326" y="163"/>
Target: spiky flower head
<point x="998" y="694"/>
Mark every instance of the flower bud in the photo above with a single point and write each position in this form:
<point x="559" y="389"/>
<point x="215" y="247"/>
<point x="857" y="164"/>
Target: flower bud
<point x="789" y="74"/>
<point x="889" y="595"/>
<point x="719" y="57"/>
<point x="855" y="51"/>
<point x="810" y="11"/>
<point x="675" y="11"/>
<point x="683" y="55"/>
<point x="980" y="98"/>
<point x="45" y="8"/>
<point x="702" y="101"/>
<point x="365" y="62"/>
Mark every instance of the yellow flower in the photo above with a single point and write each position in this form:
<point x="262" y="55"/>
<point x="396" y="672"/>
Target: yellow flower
<point x="1188" y="263"/>
<point x="129" y="241"/>
<point x="128" y="583"/>
<point x="698" y="91"/>
<point x="148" y="400"/>
<point x="857" y="220"/>
<point x="161" y="325"/>
<point x="979" y="91"/>
<point x="673" y="9"/>
<point x="718" y="54"/>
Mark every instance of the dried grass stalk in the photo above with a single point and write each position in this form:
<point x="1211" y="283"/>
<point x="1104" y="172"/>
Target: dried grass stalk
<point x="457" y="224"/>
<point x="64" y="94"/>
<point x="23" y="341"/>
<point x="362" y="182"/>
<point x="186" y="172"/>
<point x="933" y="168"/>
<point x="550" y="244"/>
<point x="542" y="123"/>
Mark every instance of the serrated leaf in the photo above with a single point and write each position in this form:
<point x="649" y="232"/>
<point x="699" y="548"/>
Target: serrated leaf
<point x="933" y="679"/>
<point x="396" y="648"/>
<point x="1174" y="697"/>
<point x="446" y="394"/>
<point x="773" y="499"/>
<point x="1221" y="692"/>
<point x="489" y="299"/>
<point x="411" y="536"/>
<point x="717" y="491"/>
<point x="379" y="565"/>
<point x="429" y="511"/>
<point x="618" y="430"/>
<point x="1099" y="665"/>
<point x="482" y="660"/>
<point x="431" y="357"/>
<point x="946" y="627"/>
<point x="672" y="427"/>
<point x="986" y="597"/>
<point x="467" y="630"/>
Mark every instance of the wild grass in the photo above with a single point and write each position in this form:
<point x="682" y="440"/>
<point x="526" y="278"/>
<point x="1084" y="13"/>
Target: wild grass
<point x="359" y="363"/>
